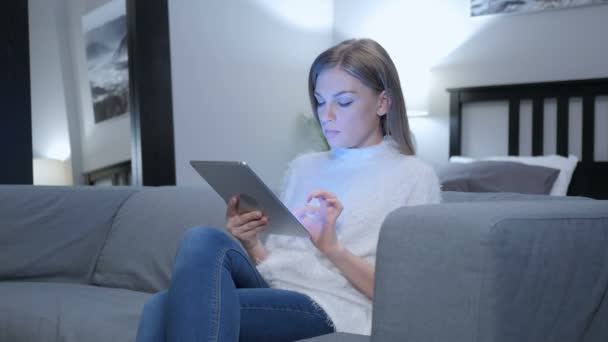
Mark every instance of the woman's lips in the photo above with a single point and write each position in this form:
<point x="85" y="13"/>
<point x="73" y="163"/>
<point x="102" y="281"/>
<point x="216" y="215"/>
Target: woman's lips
<point x="331" y="133"/>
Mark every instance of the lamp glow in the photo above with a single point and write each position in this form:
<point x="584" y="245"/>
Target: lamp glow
<point x="52" y="172"/>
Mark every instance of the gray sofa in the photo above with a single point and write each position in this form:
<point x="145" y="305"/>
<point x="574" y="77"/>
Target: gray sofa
<point x="78" y="263"/>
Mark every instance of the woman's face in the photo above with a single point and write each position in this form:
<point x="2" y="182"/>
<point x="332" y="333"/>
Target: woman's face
<point x="349" y="111"/>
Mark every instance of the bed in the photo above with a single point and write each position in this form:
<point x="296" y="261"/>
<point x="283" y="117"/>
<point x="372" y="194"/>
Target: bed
<point x="590" y="177"/>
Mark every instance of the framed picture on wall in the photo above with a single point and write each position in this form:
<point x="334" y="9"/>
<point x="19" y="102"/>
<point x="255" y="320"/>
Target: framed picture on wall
<point x="485" y="7"/>
<point x="107" y="59"/>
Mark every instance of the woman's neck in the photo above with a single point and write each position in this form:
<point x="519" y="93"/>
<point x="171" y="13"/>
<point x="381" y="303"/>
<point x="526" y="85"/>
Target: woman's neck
<point x="373" y="139"/>
<point x="386" y="145"/>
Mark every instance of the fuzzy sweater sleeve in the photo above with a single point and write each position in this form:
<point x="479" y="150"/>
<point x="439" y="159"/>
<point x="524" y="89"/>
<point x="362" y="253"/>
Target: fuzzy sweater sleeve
<point x="426" y="190"/>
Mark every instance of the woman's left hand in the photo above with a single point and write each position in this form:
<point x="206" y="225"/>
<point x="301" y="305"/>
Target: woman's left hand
<point x="322" y="225"/>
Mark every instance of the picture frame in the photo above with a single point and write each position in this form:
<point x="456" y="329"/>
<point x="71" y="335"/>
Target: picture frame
<point x="107" y="59"/>
<point x="491" y="7"/>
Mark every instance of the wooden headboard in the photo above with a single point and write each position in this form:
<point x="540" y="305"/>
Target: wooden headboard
<point x="590" y="177"/>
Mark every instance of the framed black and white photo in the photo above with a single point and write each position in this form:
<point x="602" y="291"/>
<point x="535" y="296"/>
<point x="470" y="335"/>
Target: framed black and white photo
<point x="485" y="7"/>
<point x="107" y="59"/>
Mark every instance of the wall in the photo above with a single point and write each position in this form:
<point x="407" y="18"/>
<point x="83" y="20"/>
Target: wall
<point x="239" y="71"/>
<point x="50" y="137"/>
<point x="454" y="50"/>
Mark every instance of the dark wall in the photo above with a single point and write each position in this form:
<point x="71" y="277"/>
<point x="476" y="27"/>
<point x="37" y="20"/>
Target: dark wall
<point x="15" y="102"/>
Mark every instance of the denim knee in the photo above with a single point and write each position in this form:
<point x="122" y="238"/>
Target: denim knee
<point x="207" y="233"/>
<point x="202" y="239"/>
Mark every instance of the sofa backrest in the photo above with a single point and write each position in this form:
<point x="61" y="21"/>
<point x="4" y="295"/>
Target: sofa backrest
<point x="142" y="242"/>
<point x="55" y="233"/>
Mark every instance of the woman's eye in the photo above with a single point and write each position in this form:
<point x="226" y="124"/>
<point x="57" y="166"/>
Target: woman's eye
<point x="345" y="104"/>
<point x="319" y="104"/>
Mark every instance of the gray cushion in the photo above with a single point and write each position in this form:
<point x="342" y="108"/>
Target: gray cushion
<point x="455" y="196"/>
<point x="53" y="312"/>
<point x="497" y="176"/>
<point x="493" y="271"/>
<point x="141" y="246"/>
<point x="54" y="233"/>
<point x="339" y="337"/>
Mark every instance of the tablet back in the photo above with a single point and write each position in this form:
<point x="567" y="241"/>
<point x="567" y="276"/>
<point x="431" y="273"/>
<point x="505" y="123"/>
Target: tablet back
<point x="232" y="178"/>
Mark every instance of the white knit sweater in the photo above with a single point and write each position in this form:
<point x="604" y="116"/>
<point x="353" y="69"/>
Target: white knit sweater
<point x="370" y="182"/>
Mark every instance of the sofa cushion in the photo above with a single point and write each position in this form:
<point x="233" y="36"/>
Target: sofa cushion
<point x="54" y="233"/>
<point x="142" y="243"/>
<point x="53" y="312"/>
<point x="457" y="196"/>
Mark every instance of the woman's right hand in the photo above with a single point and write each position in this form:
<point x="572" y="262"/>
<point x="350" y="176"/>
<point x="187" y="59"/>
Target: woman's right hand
<point x="246" y="226"/>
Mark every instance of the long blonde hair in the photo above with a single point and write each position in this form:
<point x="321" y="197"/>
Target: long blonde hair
<point x="367" y="61"/>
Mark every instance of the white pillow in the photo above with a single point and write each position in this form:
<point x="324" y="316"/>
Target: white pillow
<point x="461" y="159"/>
<point x="565" y="165"/>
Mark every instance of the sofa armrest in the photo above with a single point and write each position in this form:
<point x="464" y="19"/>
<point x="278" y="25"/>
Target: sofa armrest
<point x="493" y="271"/>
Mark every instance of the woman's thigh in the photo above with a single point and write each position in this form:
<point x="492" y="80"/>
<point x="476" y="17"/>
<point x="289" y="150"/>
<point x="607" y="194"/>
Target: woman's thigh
<point x="280" y="315"/>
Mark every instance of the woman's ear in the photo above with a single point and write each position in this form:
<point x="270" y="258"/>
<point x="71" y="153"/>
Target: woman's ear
<point x="384" y="103"/>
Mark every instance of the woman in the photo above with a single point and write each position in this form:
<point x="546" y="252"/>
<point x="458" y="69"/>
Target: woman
<point x="291" y="288"/>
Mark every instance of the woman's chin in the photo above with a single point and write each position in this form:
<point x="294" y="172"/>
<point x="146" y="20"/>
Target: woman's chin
<point x="335" y="144"/>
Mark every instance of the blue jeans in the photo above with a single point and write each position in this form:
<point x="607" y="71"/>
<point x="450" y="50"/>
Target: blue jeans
<point x="217" y="294"/>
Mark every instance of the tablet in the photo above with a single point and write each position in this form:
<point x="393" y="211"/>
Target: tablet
<point x="232" y="178"/>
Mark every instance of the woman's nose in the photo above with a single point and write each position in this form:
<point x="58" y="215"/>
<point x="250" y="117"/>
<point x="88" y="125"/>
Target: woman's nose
<point x="328" y="113"/>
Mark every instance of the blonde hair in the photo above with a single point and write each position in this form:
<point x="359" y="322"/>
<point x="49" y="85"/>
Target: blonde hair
<point x="367" y="61"/>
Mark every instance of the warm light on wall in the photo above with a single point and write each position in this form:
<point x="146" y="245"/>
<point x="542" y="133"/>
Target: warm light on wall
<point x="55" y="148"/>
<point x="417" y="34"/>
<point x="52" y="172"/>
<point x="312" y="15"/>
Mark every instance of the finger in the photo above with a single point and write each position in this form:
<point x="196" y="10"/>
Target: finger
<point x="235" y="221"/>
<point x="333" y="201"/>
<point x="301" y="211"/>
<point x="242" y="219"/>
<point x="232" y="205"/>
<point x="313" y="194"/>
<point x="231" y="222"/>
<point x="338" y="204"/>
<point x="259" y="229"/>
<point x="250" y="216"/>
<point x="252" y="225"/>
<point x="252" y="233"/>
<point x="312" y="208"/>
<point x="323" y="194"/>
